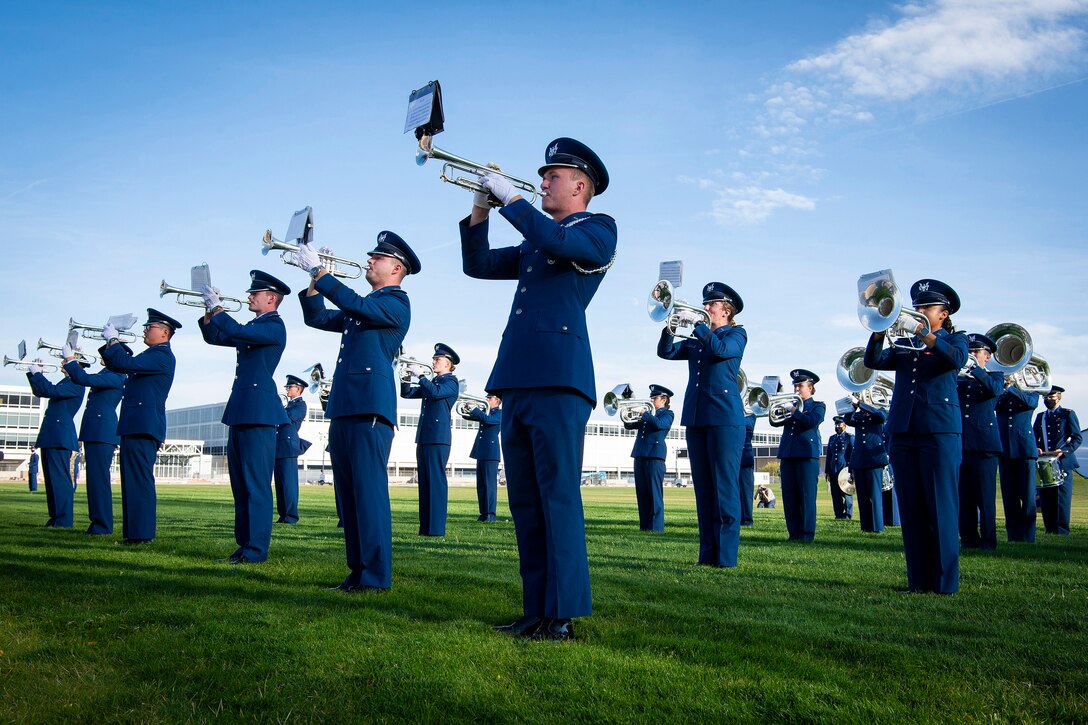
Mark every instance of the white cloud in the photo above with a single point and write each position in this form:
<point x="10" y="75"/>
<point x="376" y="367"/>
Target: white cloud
<point x="753" y="204"/>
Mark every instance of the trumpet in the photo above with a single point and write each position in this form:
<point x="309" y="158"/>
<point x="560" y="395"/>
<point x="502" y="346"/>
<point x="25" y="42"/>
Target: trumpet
<point x="182" y="295"/>
<point x="1014" y="357"/>
<point x="24" y="365"/>
<point x="336" y="266"/>
<point x="679" y="317"/>
<point x="777" y="407"/>
<point x="409" y="368"/>
<point x="452" y="163"/>
<point x="94" y="332"/>
<point x="619" y="401"/>
<point x="880" y="309"/>
<point x="864" y="384"/>
<point x="466" y="403"/>
<point x="319" y="383"/>
<point x="58" y="351"/>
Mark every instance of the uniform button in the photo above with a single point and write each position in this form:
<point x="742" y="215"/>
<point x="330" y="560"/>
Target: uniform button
<point x="913" y="380"/>
<point x="517" y="311"/>
<point x="339" y="359"/>
<point x="564" y="328"/>
<point x="529" y="269"/>
<point x="341" y="346"/>
<point x="524" y="288"/>
<point x="368" y="370"/>
<point x="551" y="261"/>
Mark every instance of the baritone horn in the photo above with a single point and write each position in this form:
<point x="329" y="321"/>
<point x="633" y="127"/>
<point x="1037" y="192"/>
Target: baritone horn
<point x="864" y="384"/>
<point x="880" y="309"/>
<point x="186" y="297"/>
<point x="94" y="332"/>
<point x="1015" y="359"/>
<point x="679" y="317"/>
<point x="466" y="403"/>
<point x="767" y="401"/>
<point x="409" y="368"/>
<point x="452" y="163"/>
<point x="620" y="401"/>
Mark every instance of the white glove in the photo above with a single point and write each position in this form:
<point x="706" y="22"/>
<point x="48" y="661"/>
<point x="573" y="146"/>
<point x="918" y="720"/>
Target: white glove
<point x="481" y="199"/>
<point x="306" y="257"/>
<point x="34" y="368"/>
<point x="109" y="332"/>
<point x="500" y="186"/>
<point x="67" y="351"/>
<point x="211" y="297"/>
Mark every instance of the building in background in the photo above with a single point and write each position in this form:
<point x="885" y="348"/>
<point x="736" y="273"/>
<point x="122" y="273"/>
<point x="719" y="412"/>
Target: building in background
<point x="21" y="414"/>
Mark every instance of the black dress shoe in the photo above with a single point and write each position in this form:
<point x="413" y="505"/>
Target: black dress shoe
<point x="523" y="627"/>
<point x="360" y="589"/>
<point x="554" y="630"/>
<point x="135" y="542"/>
<point x="241" y="560"/>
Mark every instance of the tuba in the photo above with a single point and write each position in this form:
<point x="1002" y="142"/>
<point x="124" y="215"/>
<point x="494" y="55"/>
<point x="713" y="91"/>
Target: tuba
<point x="451" y="163"/>
<point x="679" y="317"/>
<point x="864" y="384"/>
<point x="619" y="401"/>
<point x="1014" y="358"/>
<point x="880" y="309"/>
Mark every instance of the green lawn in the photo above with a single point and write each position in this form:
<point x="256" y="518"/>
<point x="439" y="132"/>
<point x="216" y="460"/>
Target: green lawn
<point x="91" y="631"/>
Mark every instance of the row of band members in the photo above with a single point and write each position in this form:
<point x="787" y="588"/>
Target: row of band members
<point x="544" y="373"/>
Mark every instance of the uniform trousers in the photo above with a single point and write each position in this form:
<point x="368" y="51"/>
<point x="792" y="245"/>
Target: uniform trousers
<point x="649" y="494"/>
<point x="891" y="507"/>
<point x="799" y="484"/>
<point x="487" y="487"/>
<point x="842" y="504"/>
<point x="1054" y="502"/>
<point x="926" y="468"/>
<point x="431" y="461"/>
<point x="286" y="475"/>
<point x="138" y="454"/>
<point x="714" y="453"/>
<point x="543" y="434"/>
<point x="32" y="478"/>
<point x="1018" y="497"/>
<point x="747" y="494"/>
<point x="251" y="456"/>
<point x="59" y="492"/>
<point x="978" y="500"/>
<point x="868" y="483"/>
<point x="99" y="457"/>
<point x="359" y="447"/>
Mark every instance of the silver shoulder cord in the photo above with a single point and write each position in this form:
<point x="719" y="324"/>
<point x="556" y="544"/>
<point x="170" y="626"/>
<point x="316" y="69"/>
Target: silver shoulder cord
<point x="577" y="267"/>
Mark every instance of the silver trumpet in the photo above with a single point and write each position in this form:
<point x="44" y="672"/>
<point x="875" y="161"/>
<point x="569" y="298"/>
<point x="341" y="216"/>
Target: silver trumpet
<point x="336" y="266"/>
<point x="94" y="332"/>
<point x="230" y="304"/>
<point x="452" y="163"/>
<point x="619" y="401"/>
<point x="1014" y="357"/>
<point x="466" y="403"/>
<point x="24" y="365"/>
<point x="410" y="369"/>
<point x="679" y="317"/>
<point x="880" y="309"/>
<point x="864" y="384"/>
<point x="58" y="352"/>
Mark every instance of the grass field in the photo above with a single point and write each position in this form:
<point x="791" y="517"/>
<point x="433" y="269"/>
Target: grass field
<point x="95" y="632"/>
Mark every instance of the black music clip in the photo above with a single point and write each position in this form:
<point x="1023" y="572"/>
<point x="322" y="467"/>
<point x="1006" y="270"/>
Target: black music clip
<point x="425" y="114"/>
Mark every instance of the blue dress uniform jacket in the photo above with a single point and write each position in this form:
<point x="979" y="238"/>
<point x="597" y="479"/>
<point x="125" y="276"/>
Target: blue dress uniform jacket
<point x="652" y="428"/>
<point x="254" y="398"/>
<point x="1058" y="429"/>
<point x="288" y="442"/>
<point x="978" y="392"/>
<point x="1014" y="409"/>
<point x="98" y="432"/>
<point x="57" y="440"/>
<point x="150" y="375"/>
<point x="714" y="358"/>
<point x="486" y="445"/>
<point x="839" y="448"/>
<point x="801" y="431"/>
<point x="437" y="398"/>
<point x="867" y="450"/>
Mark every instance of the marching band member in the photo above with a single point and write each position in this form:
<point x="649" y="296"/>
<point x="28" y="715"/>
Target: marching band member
<point x="747" y="470"/>
<point x="714" y="418"/>
<point x="839" y="448"/>
<point x="1057" y="432"/>
<point x="363" y="401"/>
<point x="485" y="451"/>
<point x="868" y="457"/>
<point x="32" y="470"/>
<point x="649" y="453"/>
<point x="924" y="429"/>
<point x="289" y="446"/>
<point x="57" y="441"/>
<point x="978" y="391"/>
<point x="799" y="450"/>
<point x="433" y="437"/>
<point x="98" y="433"/>
<point x="544" y="372"/>
<point x="141" y="424"/>
<point x="1016" y="465"/>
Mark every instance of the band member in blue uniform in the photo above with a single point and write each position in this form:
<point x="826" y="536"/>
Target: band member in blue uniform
<point x="141" y="424"/>
<point x="799" y="450"/>
<point x="714" y="418"/>
<point x="1016" y="465"/>
<point x="433" y="437"/>
<point x="77" y="459"/>
<point x="32" y="470"/>
<point x="289" y="446"/>
<point x="868" y="457"/>
<point x="747" y="470"/>
<point x="253" y="409"/>
<point x="924" y="429"/>
<point x="978" y="391"/>
<point x="1057" y="433"/>
<point x="544" y="371"/>
<point x="486" y="453"/>
<point x="57" y="441"/>
<point x="98" y="433"/>
<point x="649" y="453"/>
<point x="839" y="449"/>
<point x="362" y="404"/>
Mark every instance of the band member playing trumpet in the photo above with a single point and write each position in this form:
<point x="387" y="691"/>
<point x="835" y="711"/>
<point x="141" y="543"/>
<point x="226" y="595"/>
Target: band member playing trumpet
<point x="799" y="450"/>
<point x="1057" y="433"/>
<point x="485" y="451"/>
<point x="839" y="448"/>
<point x="544" y="372"/>
<point x="289" y="446"/>
<point x="433" y="437"/>
<point x="1016" y="465"/>
<point x="57" y="440"/>
<point x="714" y="417"/>
<point x="978" y="390"/>
<point x="141" y="424"/>
<point x="868" y="457"/>
<point x="363" y="398"/>
<point x="649" y="454"/>
<point x="924" y="428"/>
<point x="98" y="433"/>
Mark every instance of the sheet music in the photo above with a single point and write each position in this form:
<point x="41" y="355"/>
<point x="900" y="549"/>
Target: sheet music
<point x="123" y="322"/>
<point x="672" y="271"/>
<point x="419" y="107"/>
<point x="200" y="275"/>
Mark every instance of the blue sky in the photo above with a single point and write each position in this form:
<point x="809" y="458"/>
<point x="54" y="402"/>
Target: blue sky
<point x="782" y="147"/>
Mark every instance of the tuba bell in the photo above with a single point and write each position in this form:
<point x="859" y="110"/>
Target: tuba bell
<point x="620" y="401"/>
<point x="679" y="317"/>
<point x="1015" y="359"/>
<point x="880" y="309"/>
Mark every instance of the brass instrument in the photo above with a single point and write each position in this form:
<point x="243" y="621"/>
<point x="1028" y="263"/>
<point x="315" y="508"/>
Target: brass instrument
<point x="183" y="295"/>
<point x="94" y="332"/>
<point x="864" y="384"/>
<point x="427" y="150"/>
<point x="24" y="365"/>
<point x="58" y="352"/>
<point x="679" y="317"/>
<point x="619" y="401"/>
<point x="336" y="266"/>
<point x="767" y="401"/>
<point x="971" y="364"/>
<point x="1014" y="358"/>
<point x="466" y="403"/>
<point x="742" y="389"/>
<point x="880" y="309"/>
<point x="409" y="368"/>
<point x="845" y="482"/>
